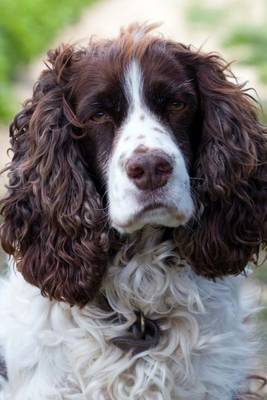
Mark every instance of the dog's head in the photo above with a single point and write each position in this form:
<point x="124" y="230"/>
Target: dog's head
<point x="126" y="133"/>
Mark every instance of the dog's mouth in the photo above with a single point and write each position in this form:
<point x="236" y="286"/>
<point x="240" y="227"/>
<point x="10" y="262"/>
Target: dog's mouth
<point x="156" y="213"/>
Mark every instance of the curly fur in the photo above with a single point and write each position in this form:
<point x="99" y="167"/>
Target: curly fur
<point x="53" y="219"/>
<point x="57" y="228"/>
<point x="230" y="175"/>
<point x="206" y="349"/>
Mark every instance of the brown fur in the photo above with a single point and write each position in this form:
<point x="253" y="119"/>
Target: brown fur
<point x="229" y="175"/>
<point x="54" y="217"/>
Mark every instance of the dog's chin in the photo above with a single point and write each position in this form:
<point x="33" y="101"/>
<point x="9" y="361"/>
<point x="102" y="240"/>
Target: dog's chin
<point x="158" y="214"/>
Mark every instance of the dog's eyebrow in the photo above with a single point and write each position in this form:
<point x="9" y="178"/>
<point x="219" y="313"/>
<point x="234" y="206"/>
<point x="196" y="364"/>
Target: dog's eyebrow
<point x="173" y="86"/>
<point x="186" y="84"/>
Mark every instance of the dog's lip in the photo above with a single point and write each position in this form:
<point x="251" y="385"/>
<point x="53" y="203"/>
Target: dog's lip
<point x="132" y="220"/>
<point x="151" y="207"/>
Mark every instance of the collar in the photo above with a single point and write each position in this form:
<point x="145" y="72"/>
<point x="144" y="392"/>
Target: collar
<point x="142" y="335"/>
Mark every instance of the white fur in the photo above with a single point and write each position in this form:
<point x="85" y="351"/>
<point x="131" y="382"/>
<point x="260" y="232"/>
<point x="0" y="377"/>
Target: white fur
<point x="124" y="203"/>
<point x="54" y="351"/>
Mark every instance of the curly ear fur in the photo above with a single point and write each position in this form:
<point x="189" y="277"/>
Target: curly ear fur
<point x="52" y="213"/>
<point x="229" y="174"/>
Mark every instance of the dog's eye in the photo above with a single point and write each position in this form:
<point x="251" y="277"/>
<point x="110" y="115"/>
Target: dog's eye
<point x="99" y="116"/>
<point x="159" y="100"/>
<point x="178" y="106"/>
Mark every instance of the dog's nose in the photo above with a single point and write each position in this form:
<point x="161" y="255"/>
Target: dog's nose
<point x="149" y="171"/>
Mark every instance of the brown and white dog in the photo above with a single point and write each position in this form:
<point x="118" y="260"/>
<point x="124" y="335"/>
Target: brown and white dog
<point x="137" y="192"/>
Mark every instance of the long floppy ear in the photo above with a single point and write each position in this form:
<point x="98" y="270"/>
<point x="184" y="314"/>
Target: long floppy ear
<point x="53" y="223"/>
<point x="229" y="174"/>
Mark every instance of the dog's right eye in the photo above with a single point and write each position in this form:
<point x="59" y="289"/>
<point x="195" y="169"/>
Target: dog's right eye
<point x="159" y="100"/>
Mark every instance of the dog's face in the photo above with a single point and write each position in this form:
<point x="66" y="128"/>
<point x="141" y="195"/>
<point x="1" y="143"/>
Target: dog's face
<point x="126" y="133"/>
<point x="140" y="117"/>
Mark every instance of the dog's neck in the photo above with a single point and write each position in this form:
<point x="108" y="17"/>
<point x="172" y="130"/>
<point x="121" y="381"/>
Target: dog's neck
<point x="142" y="279"/>
<point x="141" y="242"/>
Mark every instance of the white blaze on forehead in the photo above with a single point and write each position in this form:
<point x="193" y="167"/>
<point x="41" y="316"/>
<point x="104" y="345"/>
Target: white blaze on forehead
<point x="134" y="86"/>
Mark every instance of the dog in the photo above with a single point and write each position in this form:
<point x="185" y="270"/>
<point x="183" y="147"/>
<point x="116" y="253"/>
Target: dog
<point x="136" y="200"/>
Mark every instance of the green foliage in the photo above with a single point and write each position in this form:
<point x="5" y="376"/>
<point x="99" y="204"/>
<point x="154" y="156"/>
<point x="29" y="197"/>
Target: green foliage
<point x="248" y="42"/>
<point x="252" y="44"/>
<point x="264" y="107"/>
<point x="202" y="15"/>
<point x="263" y="314"/>
<point x="261" y="273"/>
<point x="26" y="28"/>
<point x="6" y="102"/>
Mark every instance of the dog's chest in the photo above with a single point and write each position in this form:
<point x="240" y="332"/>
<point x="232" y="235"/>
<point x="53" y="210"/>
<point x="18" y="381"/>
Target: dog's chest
<point x="204" y="351"/>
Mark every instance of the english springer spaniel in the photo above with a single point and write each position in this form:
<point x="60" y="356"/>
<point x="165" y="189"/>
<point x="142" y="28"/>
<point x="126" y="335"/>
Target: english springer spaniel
<point x="136" y="197"/>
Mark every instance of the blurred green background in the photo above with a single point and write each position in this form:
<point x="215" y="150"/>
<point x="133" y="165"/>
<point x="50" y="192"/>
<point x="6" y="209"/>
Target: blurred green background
<point x="26" y="28"/>
<point x="235" y="28"/>
<point x="240" y="27"/>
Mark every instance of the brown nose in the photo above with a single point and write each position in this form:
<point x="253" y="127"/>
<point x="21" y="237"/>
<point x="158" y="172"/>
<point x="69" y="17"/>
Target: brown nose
<point x="150" y="170"/>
